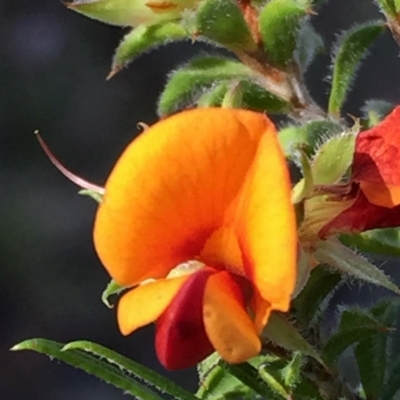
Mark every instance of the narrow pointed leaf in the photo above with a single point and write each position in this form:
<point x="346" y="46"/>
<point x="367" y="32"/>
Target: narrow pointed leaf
<point x="284" y="334"/>
<point x="379" y="241"/>
<point x="145" y="38"/>
<point x="214" y="96"/>
<point x="355" y="325"/>
<point x="223" y="22"/>
<point x="371" y="360"/>
<point x="279" y="25"/>
<point x="388" y="7"/>
<point x="351" y="48"/>
<point x="291" y="374"/>
<point x="131" y="367"/>
<point x="273" y="382"/>
<point x="345" y="260"/>
<point x="321" y="284"/>
<point x="90" y="364"/>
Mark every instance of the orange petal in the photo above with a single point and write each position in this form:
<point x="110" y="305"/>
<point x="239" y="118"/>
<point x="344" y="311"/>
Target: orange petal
<point x="171" y="188"/>
<point x="228" y="326"/>
<point x="381" y="194"/>
<point x="181" y="341"/>
<point x="266" y="225"/>
<point x="261" y="309"/>
<point x="145" y="303"/>
<point x="377" y="155"/>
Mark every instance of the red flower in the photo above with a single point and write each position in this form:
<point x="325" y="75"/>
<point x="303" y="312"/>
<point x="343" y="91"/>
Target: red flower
<point x="375" y="181"/>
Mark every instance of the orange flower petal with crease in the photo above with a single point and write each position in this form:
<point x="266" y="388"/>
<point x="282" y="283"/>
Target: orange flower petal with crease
<point x="381" y="194"/>
<point x="172" y="187"/>
<point x="229" y="328"/>
<point x="145" y="303"/>
<point x="267" y="226"/>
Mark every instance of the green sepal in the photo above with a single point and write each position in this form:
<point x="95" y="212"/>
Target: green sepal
<point x="279" y="24"/>
<point x="309" y="45"/>
<point x="101" y="368"/>
<point x="350" y="49"/>
<point x="111" y="289"/>
<point x="374" y="111"/>
<point x="345" y="260"/>
<point x="96" y="196"/>
<point x="222" y="21"/>
<point x="305" y="186"/>
<point x="334" y="158"/>
<point x="320" y="286"/>
<point x="234" y="96"/>
<point x="282" y="333"/>
<point x="145" y="38"/>
<point x="378" y="241"/>
<point x="355" y="325"/>
<point x="307" y="136"/>
<point x="194" y="81"/>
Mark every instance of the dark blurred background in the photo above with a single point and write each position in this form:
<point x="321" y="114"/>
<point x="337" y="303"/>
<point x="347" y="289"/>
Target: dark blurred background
<point x="53" y="65"/>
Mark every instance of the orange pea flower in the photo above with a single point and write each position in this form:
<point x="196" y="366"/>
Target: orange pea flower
<point x="375" y="182"/>
<point x="197" y="219"/>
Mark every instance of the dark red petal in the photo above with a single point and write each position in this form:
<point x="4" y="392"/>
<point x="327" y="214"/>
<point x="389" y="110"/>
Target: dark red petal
<point x="377" y="154"/>
<point x="181" y="340"/>
<point x="362" y="216"/>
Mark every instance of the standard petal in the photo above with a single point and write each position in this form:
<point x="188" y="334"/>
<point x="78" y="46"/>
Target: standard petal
<point x="229" y="328"/>
<point x="381" y="194"/>
<point x="181" y="341"/>
<point x="145" y="303"/>
<point x="171" y="188"/>
<point x="266" y="225"/>
<point x="377" y="155"/>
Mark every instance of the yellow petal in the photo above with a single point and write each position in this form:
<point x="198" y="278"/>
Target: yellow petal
<point x="171" y="189"/>
<point x="229" y="329"/>
<point x="266" y="225"/>
<point x="145" y="303"/>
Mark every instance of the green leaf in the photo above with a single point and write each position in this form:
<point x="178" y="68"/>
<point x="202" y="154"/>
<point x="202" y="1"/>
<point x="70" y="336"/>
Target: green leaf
<point x="345" y="260"/>
<point x="92" y="365"/>
<point x="96" y="196"/>
<point x="371" y="361"/>
<point x="111" y="289"/>
<point x="223" y="22"/>
<point x="309" y="45"/>
<point x="350" y="49"/>
<point x="204" y="74"/>
<point x="249" y="376"/>
<point x="217" y="384"/>
<point x="388" y="7"/>
<point x="274" y="382"/>
<point x="355" y="325"/>
<point x="379" y="241"/>
<point x="291" y="374"/>
<point x="375" y="110"/>
<point x="145" y="38"/>
<point x="284" y="334"/>
<point x="321" y="284"/>
<point x="127" y="12"/>
<point x="279" y="25"/>
<point x="132" y="368"/>
<point x="333" y="159"/>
